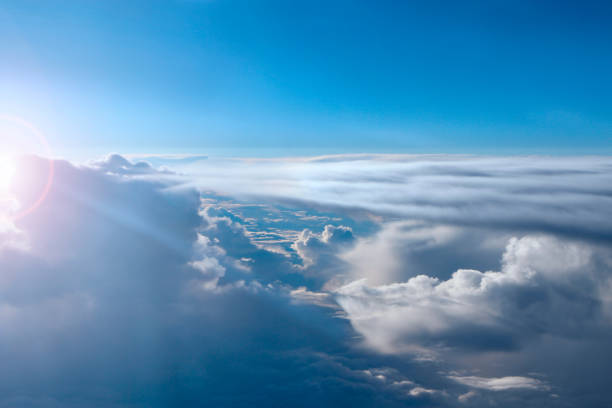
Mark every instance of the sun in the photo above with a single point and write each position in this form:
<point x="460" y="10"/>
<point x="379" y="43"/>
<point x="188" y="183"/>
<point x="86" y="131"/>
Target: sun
<point x="7" y="172"/>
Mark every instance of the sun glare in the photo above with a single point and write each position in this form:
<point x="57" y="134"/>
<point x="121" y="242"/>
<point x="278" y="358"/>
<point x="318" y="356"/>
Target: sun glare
<point x="7" y="172"/>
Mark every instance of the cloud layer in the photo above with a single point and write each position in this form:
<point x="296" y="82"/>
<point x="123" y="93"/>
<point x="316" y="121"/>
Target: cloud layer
<point x="339" y="281"/>
<point x="562" y="195"/>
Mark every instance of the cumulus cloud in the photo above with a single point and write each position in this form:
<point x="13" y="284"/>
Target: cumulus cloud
<point x="117" y="164"/>
<point x="319" y="252"/>
<point x="546" y="286"/>
<point x="403" y="249"/>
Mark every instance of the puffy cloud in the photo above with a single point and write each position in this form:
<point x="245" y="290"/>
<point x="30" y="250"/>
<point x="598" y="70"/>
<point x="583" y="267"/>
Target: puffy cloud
<point x="228" y="232"/>
<point x="407" y="248"/>
<point x="319" y="252"/>
<point x="117" y="164"/>
<point x="208" y="263"/>
<point x="546" y="286"/>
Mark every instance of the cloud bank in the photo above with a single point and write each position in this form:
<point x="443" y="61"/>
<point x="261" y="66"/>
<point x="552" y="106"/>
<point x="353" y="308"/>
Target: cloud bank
<point x="561" y="195"/>
<point x="335" y="281"/>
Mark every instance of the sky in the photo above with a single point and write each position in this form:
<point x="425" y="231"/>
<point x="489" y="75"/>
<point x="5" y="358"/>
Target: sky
<point x="272" y="78"/>
<point x="305" y="204"/>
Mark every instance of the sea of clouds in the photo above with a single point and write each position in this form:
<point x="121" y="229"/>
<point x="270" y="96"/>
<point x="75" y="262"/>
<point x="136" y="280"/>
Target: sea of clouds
<point x="361" y="280"/>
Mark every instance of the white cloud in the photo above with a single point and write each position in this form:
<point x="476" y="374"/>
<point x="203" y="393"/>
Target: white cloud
<point x="322" y="299"/>
<point x="417" y="391"/>
<point x="312" y="247"/>
<point x="501" y="384"/>
<point x="568" y="195"/>
<point x="465" y="398"/>
<point x="481" y="310"/>
<point x="403" y="249"/>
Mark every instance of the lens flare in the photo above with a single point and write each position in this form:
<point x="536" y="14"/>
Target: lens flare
<point x="18" y="146"/>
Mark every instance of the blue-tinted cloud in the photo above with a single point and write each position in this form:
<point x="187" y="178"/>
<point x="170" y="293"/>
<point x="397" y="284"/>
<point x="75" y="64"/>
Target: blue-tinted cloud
<point x="130" y="288"/>
<point x="127" y="295"/>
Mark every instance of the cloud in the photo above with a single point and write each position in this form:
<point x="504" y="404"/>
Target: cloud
<point x="319" y="252"/>
<point x="465" y="398"/>
<point x="390" y="281"/>
<point x="10" y="236"/>
<point x="559" y="195"/>
<point x="117" y="164"/>
<point x="129" y="293"/>
<point x="501" y="384"/>
<point x="321" y="299"/>
<point x="446" y="282"/>
<point x="546" y="286"/>
<point x="403" y="249"/>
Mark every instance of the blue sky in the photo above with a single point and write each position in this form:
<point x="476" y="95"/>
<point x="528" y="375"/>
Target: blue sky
<point x="281" y="78"/>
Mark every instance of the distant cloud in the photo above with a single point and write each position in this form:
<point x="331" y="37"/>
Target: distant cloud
<point x="117" y="164"/>
<point x="560" y="195"/>
<point x="501" y="384"/>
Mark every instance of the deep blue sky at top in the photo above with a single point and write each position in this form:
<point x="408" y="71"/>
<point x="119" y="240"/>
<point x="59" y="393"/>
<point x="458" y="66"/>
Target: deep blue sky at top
<point x="497" y="76"/>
